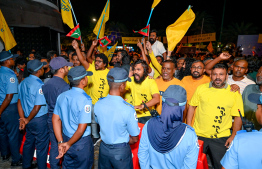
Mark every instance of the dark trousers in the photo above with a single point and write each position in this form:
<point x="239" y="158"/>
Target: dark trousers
<point x="80" y="155"/>
<point x="4" y="143"/>
<point x="143" y="120"/>
<point x="36" y="137"/>
<point x="115" y="156"/>
<point x="215" y="148"/>
<point x="54" y="163"/>
<point x="10" y="122"/>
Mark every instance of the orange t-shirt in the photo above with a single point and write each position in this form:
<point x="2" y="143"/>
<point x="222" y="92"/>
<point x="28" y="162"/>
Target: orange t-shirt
<point x="191" y="86"/>
<point x="162" y="86"/>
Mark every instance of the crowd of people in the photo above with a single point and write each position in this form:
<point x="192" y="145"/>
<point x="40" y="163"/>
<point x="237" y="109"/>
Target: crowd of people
<point x="77" y="98"/>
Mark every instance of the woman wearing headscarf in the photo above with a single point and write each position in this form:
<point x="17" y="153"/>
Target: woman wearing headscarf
<point x="166" y="142"/>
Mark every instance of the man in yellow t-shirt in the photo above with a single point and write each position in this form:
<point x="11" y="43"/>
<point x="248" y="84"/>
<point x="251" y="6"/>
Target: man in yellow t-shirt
<point x="167" y="79"/>
<point x="97" y="85"/>
<point x="216" y="105"/>
<point x="142" y="90"/>
<point x="191" y="82"/>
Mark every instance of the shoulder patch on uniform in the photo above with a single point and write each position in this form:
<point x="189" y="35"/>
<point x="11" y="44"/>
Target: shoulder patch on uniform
<point x="87" y="108"/>
<point x="128" y="104"/>
<point x="197" y="144"/>
<point x="40" y="91"/>
<point x="12" y="80"/>
<point x="135" y="115"/>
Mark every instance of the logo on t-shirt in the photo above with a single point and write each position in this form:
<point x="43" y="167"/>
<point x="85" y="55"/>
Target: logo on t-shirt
<point x="12" y="80"/>
<point x="40" y="91"/>
<point x="87" y="108"/>
<point x="135" y="116"/>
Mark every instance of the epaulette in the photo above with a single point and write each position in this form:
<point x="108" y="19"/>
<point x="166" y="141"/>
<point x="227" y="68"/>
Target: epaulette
<point x="128" y="104"/>
<point x="190" y="127"/>
<point x="40" y="81"/>
<point x="101" y="98"/>
<point x="86" y="95"/>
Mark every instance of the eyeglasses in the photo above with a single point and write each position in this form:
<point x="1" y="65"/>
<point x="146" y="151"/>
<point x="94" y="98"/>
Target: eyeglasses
<point x="199" y="68"/>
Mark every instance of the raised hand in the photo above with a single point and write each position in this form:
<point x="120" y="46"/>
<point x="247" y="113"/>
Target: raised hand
<point x="75" y="44"/>
<point x="224" y="56"/>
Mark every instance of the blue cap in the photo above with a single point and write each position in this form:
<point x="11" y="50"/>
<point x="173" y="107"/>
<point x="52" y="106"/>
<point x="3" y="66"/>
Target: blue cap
<point x="59" y="62"/>
<point x="175" y="92"/>
<point x="35" y="65"/>
<point x="119" y="75"/>
<point x="255" y="98"/>
<point x="7" y="55"/>
<point x="77" y="73"/>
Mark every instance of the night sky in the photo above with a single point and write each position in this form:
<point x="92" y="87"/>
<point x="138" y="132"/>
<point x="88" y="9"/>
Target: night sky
<point x="135" y="13"/>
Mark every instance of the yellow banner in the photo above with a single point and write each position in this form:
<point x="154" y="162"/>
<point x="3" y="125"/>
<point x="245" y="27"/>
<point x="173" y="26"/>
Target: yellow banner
<point x="155" y="3"/>
<point x="6" y="34"/>
<point x="202" y="38"/>
<point x="259" y="38"/>
<point x="66" y="13"/>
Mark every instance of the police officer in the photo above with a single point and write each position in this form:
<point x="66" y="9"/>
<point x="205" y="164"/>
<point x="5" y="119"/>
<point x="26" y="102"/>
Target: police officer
<point x="245" y="150"/>
<point x="32" y="110"/>
<point x="71" y="116"/>
<point x="118" y="123"/>
<point x="52" y="89"/>
<point x="8" y="110"/>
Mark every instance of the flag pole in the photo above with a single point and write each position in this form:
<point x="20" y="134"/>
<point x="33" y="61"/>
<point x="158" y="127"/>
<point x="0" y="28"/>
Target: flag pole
<point x="102" y="20"/>
<point x="148" y="21"/>
<point x="74" y="17"/>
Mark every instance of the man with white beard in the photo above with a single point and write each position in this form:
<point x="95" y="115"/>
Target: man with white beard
<point x="249" y="107"/>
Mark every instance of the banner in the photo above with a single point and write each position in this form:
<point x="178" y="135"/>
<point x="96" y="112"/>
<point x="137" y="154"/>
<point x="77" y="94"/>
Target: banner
<point x="202" y="38"/>
<point x="259" y="38"/>
<point x="66" y="13"/>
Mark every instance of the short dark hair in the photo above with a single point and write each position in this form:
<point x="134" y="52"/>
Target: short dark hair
<point x="125" y="57"/>
<point x="169" y="61"/>
<point x="75" y="83"/>
<point x="144" y="65"/>
<point x="113" y="85"/>
<point x="20" y="61"/>
<point x="50" y="54"/>
<point x="162" y="58"/>
<point x="42" y="57"/>
<point x="103" y="57"/>
<point x="196" y="61"/>
<point x="154" y="31"/>
<point x="220" y="66"/>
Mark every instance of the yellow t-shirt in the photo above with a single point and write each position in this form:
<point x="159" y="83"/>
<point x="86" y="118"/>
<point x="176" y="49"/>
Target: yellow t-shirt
<point x="162" y="86"/>
<point x="141" y="93"/>
<point x="97" y="83"/>
<point x="215" y="110"/>
<point x="191" y="86"/>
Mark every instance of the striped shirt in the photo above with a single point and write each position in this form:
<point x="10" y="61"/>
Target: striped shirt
<point x="242" y="83"/>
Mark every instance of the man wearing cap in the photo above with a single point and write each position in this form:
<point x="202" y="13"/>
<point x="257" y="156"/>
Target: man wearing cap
<point x="32" y="110"/>
<point x="52" y="89"/>
<point x="118" y="123"/>
<point x="71" y="117"/>
<point x="166" y="142"/>
<point x="245" y="150"/>
<point x="10" y="136"/>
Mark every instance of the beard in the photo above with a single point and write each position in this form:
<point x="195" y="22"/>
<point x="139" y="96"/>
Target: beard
<point x="196" y="74"/>
<point x="152" y="41"/>
<point x="259" y="80"/>
<point x="218" y="85"/>
<point x="141" y="79"/>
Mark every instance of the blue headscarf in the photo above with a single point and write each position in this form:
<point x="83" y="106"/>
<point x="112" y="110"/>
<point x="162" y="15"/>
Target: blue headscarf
<point x="166" y="130"/>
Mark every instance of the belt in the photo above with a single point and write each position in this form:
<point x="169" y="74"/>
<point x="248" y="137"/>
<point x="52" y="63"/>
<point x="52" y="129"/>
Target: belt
<point x="115" y="145"/>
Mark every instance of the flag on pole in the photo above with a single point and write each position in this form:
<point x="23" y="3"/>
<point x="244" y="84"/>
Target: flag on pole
<point x="75" y="33"/>
<point x="110" y="52"/>
<point x="104" y="41"/>
<point x="210" y="47"/>
<point x="155" y="3"/>
<point x="66" y="13"/>
<point x="178" y="49"/>
<point x="6" y="34"/>
<point x="102" y="20"/>
<point x="176" y="31"/>
<point x="144" y="31"/>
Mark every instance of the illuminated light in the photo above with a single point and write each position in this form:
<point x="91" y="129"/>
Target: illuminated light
<point x="94" y="19"/>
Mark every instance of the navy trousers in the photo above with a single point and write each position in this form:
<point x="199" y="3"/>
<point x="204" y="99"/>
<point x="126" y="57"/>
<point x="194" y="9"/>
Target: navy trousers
<point x="4" y="143"/>
<point x="54" y="163"/>
<point x="116" y="156"/>
<point x="10" y="120"/>
<point x="37" y="136"/>
<point x="80" y="155"/>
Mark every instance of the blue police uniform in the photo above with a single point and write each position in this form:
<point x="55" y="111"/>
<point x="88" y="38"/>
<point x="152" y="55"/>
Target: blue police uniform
<point x="74" y="108"/>
<point x="52" y="89"/>
<point x="244" y="151"/>
<point x="10" y="116"/>
<point x="184" y="155"/>
<point x="30" y="94"/>
<point x="117" y="120"/>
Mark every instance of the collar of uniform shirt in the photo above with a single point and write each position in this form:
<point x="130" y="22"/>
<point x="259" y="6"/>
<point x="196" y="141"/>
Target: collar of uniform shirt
<point x="210" y="85"/>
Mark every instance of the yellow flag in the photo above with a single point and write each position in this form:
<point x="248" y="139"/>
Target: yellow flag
<point x="177" y="30"/>
<point x="155" y="3"/>
<point x="110" y="52"/>
<point x="66" y="13"/>
<point x="6" y="34"/>
<point x="210" y="47"/>
<point x="106" y="18"/>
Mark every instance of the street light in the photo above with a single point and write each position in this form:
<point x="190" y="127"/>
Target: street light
<point x="94" y="19"/>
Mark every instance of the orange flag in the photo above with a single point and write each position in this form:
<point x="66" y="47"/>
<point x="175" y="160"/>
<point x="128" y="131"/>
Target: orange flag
<point x="210" y="47"/>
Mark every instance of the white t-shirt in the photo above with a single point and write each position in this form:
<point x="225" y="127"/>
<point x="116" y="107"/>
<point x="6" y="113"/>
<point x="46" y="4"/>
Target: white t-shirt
<point x="242" y="83"/>
<point x="158" y="48"/>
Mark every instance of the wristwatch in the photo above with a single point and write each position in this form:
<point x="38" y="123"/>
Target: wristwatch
<point x="60" y="142"/>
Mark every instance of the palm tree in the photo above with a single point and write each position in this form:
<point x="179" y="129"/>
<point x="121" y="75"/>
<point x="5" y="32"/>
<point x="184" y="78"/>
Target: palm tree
<point x="230" y="34"/>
